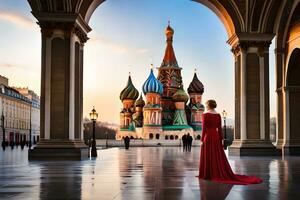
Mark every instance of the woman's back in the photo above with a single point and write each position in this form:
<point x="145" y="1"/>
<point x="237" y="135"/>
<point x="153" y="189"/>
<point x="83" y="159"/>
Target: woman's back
<point x="211" y="120"/>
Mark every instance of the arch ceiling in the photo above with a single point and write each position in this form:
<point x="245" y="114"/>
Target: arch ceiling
<point x="238" y="16"/>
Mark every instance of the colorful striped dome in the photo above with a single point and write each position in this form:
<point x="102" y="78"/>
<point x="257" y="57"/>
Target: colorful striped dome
<point x="152" y="85"/>
<point x="129" y="92"/>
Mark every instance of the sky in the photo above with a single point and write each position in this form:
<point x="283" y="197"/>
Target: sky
<point x="128" y="36"/>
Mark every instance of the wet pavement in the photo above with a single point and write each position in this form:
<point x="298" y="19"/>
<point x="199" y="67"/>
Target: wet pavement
<point x="142" y="173"/>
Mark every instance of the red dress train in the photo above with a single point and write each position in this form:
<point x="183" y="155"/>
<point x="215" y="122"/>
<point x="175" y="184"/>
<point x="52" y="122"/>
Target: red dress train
<point x="213" y="161"/>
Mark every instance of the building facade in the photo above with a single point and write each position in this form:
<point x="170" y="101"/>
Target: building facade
<point x="165" y="113"/>
<point x="35" y="112"/>
<point x="16" y="113"/>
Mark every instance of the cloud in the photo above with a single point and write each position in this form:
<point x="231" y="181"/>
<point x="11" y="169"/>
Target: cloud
<point x="97" y="39"/>
<point x="16" y="18"/>
<point x="6" y="65"/>
<point x="17" y="66"/>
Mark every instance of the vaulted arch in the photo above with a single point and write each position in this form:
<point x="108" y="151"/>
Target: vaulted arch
<point x="64" y="28"/>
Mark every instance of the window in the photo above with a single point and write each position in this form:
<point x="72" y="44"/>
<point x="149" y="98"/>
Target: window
<point x="151" y="136"/>
<point x="171" y="137"/>
<point x="176" y="137"/>
<point x="166" y="137"/>
<point x="157" y="136"/>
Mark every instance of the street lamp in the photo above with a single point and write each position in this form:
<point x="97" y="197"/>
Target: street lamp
<point x="3" y="131"/>
<point x="224" y="115"/>
<point x="93" y="117"/>
<point x="106" y="144"/>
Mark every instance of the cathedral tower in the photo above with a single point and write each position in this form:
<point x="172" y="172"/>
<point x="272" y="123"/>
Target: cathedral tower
<point x="153" y="90"/>
<point x="180" y="98"/>
<point x="128" y="96"/>
<point x="169" y="74"/>
<point x="138" y="115"/>
<point x="195" y="106"/>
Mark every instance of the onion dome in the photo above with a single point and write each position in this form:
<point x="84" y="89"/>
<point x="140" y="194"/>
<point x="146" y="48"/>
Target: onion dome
<point x="152" y="85"/>
<point x="180" y="96"/>
<point x="140" y="102"/>
<point x="129" y="92"/>
<point x="169" y="31"/>
<point x="196" y="86"/>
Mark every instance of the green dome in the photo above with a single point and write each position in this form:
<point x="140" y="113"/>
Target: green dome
<point x="129" y="92"/>
<point x="140" y="102"/>
<point x="180" y="96"/>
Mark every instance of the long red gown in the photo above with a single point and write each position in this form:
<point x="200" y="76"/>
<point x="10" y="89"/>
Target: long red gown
<point x="213" y="161"/>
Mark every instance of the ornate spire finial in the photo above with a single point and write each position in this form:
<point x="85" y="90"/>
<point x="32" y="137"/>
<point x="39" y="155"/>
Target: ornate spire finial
<point x="151" y="66"/>
<point x="195" y="70"/>
<point x="169" y="22"/>
<point x="129" y="73"/>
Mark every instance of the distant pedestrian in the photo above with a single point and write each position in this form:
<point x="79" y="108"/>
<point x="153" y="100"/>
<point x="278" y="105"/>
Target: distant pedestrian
<point x="12" y="144"/>
<point x="3" y="145"/>
<point x="189" y="142"/>
<point x="126" y="142"/>
<point x="184" y="142"/>
<point x="22" y="144"/>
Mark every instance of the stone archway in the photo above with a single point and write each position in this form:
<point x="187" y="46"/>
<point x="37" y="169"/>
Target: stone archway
<point x="64" y="28"/>
<point x="292" y="136"/>
<point x="288" y="39"/>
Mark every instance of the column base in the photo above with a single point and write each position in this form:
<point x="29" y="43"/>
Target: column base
<point x="291" y="148"/>
<point x="59" y="150"/>
<point x="279" y="144"/>
<point x="253" y="148"/>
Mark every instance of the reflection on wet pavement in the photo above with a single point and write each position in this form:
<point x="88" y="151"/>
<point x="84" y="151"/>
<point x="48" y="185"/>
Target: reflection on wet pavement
<point x="142" y="173"/>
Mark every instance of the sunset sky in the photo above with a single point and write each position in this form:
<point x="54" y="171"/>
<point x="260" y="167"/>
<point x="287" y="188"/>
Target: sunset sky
<point x="129" y="36"/>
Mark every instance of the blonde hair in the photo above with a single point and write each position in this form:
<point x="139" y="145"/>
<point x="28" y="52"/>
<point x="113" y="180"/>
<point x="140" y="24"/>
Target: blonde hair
<point x="211" y="103"/>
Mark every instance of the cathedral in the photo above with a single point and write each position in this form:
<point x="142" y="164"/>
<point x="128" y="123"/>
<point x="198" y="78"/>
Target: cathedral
<point x="167" y="112"/>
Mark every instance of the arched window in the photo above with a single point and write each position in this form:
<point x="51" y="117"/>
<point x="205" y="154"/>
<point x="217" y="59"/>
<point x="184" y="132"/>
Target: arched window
<point x="157" y="136"/>
<point x="198" y="137"/>
<point x="166" y="137"/>
<point x="171" y="137"/>
<point x="151" y="136"/>
<point x="176" y="137"/>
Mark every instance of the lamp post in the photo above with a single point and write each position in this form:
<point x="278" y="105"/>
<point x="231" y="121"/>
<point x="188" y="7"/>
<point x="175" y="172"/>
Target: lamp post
<point x="106" y="144"/>
<point x="224" y="115"/>
<point x="3" y="131"/>
<point x="93" y="117"/>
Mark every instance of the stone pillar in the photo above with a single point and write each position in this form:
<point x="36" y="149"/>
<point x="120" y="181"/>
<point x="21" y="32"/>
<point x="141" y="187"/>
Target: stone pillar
<point x="252" y="117"/>
<point x="61" y="92"/>
<point x="279" y="91"/>
<point x="291" y="138"/>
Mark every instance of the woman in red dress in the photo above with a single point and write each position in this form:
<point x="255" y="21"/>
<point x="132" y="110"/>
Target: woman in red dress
<point x="213" y="161"/>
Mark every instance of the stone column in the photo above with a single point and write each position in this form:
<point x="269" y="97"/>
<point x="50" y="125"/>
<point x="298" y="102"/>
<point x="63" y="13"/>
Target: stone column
<point x="252" y="117"/>
<point x="291" y="138"/>
<point x="61" y="92"/>
<point x="279" y="91"/>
